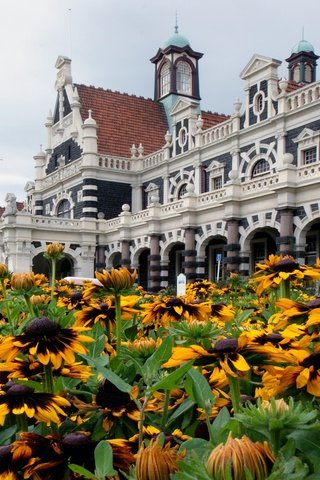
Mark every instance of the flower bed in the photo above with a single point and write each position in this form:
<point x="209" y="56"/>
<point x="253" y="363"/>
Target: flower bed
<point x="104" y="380"/>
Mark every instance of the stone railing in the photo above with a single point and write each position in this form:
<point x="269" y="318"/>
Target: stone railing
<point x="303" y="96"/>
<point x="115" y="163"/>
<point x="55" y="222"/>
<point x="260" y="184"/>
<point x="218" y="132"/>
<point x="152" y="160"/>
<point x="140" y="216"/>
<point x="211" y="197"/>
<point x="171" y="207"/>
<point x="112" y="223"/>
<point x="308" y="171"/>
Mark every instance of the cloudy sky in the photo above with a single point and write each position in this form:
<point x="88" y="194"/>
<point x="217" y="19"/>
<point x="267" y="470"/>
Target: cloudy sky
<point x="110" y="43"/>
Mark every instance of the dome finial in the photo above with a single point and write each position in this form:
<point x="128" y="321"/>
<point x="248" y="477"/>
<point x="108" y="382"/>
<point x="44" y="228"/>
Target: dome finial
<point x="176" y="28"/>
<point x="302" y="33"/>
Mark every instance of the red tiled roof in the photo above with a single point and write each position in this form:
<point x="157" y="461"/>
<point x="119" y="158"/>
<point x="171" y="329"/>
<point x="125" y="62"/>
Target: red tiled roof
<point x="211" y="119"/>
<point x="123" y="120"/>
<point x="292" y="86"/>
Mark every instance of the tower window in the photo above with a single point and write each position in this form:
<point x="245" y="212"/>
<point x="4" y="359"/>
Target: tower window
<point x="261" y="167"/>
<point x="184" y="77"/>
<point x="165" y="79"/>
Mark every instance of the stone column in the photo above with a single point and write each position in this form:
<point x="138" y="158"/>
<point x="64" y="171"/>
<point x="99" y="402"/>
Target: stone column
<point x="233" y="246"/>
<point x="100" y="258"/>
<point x="189" y="265"/>
<point x="286" y="240"/>
<point x="125" y="253"/>
<point x="154" y="278"/>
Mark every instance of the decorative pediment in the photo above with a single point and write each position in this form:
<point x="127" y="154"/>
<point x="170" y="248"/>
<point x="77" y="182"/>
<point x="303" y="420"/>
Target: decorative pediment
<point x="151" y="187"/>
<point x="257" y="64"/>
<point x="214" y="165"/>
<point x="182" y="105"/>
<point x="306" y="134"/>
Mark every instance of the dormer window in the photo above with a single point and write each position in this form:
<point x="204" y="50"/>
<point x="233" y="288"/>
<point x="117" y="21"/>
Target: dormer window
<point x="165" y="79"/>
<point x="184" y="78"/>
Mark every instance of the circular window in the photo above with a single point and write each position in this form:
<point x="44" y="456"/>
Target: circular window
<point x="183" y="137"/>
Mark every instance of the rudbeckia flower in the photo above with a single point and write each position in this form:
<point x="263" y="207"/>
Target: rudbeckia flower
<point x="47" y="341"/>
<point x="114" y="403"/>
<point x="202" y="289"/>
<point x="304" y="375"/>
<point x="157" y="463"/>
<point x="18" y="399"/>
<point x="242" y="454"/>
<point x="165" y="310"/>
<point x="115" y="281"/>
<point x="7" y="467"/>
<point x="279" y="268"/>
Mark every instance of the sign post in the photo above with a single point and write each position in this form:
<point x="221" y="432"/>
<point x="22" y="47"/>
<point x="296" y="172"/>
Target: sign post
<point x="218" y="260"/>
<point x="181" y="284"/>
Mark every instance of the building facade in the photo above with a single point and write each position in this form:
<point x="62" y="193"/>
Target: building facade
<point x="164" y="187"/>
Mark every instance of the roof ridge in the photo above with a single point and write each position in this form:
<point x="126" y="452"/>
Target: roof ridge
<point x="131" y="95"/>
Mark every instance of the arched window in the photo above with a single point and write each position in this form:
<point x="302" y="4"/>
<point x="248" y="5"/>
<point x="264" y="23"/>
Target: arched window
<point x="261" y="167"/>
<point x="182" y="190"/>
<point x="184" y="78"/>
<point x="64" y="209"/>
<point x="165" y="79"/>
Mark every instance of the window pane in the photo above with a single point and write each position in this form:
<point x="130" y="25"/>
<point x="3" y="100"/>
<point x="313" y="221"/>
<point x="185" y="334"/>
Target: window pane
<point x="165" y="79"/>
<point x="183" y="78"/>
<point x="310" y="156"/>
<point x="262" y="166"/>
<point x="64" y="209"/>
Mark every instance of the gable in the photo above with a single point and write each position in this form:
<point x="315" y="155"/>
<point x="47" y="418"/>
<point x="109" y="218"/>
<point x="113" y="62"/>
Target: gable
<point x="257" y="64"/>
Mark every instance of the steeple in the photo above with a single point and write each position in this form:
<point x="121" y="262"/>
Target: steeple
<point x="302" y="62"/>
<point x="176" y="68"/>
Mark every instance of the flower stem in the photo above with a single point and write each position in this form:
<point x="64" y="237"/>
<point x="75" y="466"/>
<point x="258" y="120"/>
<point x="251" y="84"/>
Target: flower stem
<point x="117" y="304"/>
<point x="29" y="304"/>
<point x="48" y="378"/>
<point x="165" y="410"/>
<point x="53" y="275"/>
<point x="275" y="441"/>
<point x="22" y="424"/>
<point x="6" y="302"/>
<point x="234" y="392"/>
<point x="284" y="289"/>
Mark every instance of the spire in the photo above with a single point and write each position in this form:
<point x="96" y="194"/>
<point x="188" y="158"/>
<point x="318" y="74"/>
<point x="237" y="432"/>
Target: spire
<point x="176" y="28"/>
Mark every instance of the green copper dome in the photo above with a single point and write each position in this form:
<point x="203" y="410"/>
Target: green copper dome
<point x="303" y="46"/>
<point x="177" y="40"/>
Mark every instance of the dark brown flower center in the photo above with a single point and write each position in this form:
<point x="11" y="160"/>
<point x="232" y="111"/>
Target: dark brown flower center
<point x="76" y="297"/>
<point x="40" y="326"/>
<point x="109" y="396"/>
<point x="312" y="361"/>
<point x="273" y="338"/>
<point x="75" y="440"/>
<point x="286" y="265"/>
<point x="314" y="303"/>
<point x="17" y="390"/>
<point x="173" y="302"/>
<point x="226" y="345"/>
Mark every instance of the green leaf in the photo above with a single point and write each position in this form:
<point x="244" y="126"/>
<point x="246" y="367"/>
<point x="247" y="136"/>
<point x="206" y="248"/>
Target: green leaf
<point x="170" y="381"/>
<point x="184" y="407"/>
<point x="201" y="389"/>
<point x="117" y="381"/>
<point x="103" y="456"/>
<point x="153" y="363"/>
<point x="97" y="347"/>
<point x="7" y="434"/>
<point x="82" y="471"/>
